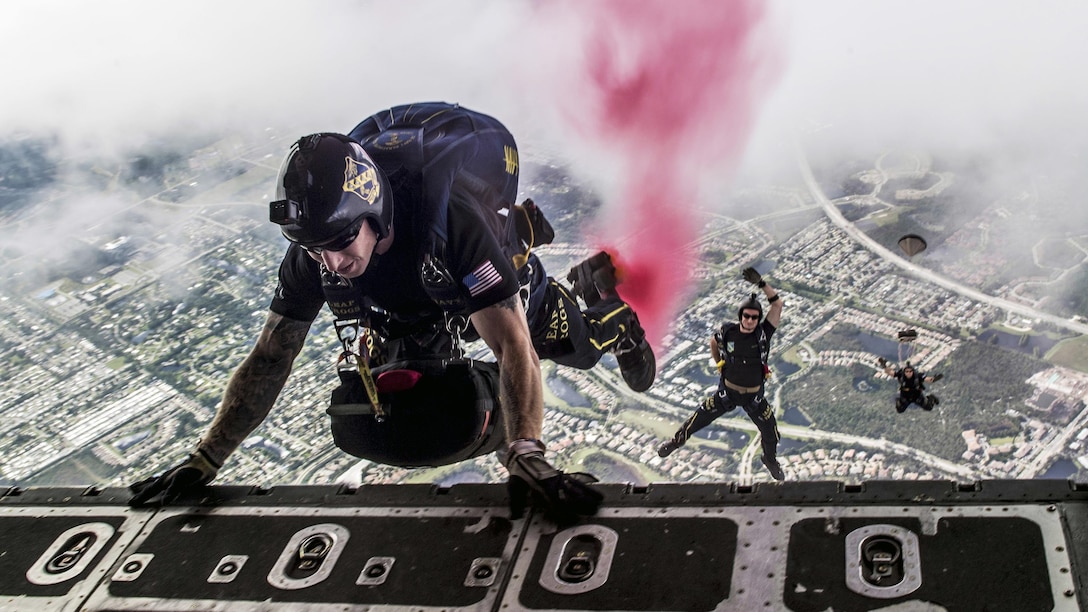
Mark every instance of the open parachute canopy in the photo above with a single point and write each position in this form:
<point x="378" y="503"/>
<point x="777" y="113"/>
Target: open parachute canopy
<point x="905" y="337"/>
<point x="912" y="244"/>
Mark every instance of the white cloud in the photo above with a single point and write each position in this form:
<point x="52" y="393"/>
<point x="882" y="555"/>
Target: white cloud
<point x="963" y="75"/>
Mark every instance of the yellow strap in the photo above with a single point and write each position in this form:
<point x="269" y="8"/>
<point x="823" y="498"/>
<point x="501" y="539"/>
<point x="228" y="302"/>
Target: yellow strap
<point x="371" y="388"/>
<point x="520" y="259"/>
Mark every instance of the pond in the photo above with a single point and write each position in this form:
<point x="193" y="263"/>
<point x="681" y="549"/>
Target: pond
<point x="765" y="266"/>
<point x="695" y="372"/>
<point x="732" y="437"/>
<point x="794" y="416"/>
<point x="124" y="443"/>
<point x="1061" y="469"/>
<point x="882" y="347"/>
<point x="1036" y="344"/>
<point x="789" y="445"/>
<point x="865" y="384"/>
<point x="607" y="469"/>
<point x="785" y="368"/>
<point x="566" y="392"/>
<point x="470" y="475"/>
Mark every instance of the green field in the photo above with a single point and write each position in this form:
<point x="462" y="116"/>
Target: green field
<point x="1072" y="354"/>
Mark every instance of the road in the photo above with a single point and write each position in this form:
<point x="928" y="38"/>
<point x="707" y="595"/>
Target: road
<point x="1042" y="459"/>
<point x="917" y="271"/>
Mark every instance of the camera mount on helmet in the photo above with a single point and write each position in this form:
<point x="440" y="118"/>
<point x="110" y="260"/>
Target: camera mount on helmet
<point x="326" y="188"/>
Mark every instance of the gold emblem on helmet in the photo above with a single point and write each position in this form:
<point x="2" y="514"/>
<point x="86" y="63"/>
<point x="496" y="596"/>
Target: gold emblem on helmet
<point x="361" y="178"/>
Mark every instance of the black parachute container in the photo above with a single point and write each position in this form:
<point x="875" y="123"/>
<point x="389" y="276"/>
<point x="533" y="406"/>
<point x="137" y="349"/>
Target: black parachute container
<point x="912" y="244"/>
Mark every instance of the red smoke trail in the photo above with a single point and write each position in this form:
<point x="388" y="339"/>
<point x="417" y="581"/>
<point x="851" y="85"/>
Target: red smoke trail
<point x="668" y="88"/>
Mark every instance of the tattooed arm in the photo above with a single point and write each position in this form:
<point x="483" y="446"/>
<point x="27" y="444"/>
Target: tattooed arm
<point x="504" y="329"/>
<point x="532" y="478"/>
<point x="255" y="385"/>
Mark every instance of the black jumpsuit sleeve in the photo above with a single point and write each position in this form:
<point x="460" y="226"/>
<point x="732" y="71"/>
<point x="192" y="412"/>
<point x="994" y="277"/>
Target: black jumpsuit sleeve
<point x="298" y="295"/>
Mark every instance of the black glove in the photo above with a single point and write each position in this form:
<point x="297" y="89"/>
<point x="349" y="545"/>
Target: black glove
<point x="542" y="230"/>
<point x="882" y="362"/>
<point x="937" y="377"/>
<point x="196" y="471"/>
<point x="752" y="276"/>
<point x="565" y="495"/>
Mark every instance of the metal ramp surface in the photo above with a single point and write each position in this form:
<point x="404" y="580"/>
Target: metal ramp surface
<point x="809" y="546"/>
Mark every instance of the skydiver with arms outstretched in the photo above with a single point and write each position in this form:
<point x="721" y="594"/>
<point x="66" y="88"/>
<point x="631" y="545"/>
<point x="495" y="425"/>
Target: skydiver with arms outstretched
<point x="911" y="386"/>
<point x="741" y="350"/>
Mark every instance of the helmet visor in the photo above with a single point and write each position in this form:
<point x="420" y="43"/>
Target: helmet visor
<point x="339" y="242"/>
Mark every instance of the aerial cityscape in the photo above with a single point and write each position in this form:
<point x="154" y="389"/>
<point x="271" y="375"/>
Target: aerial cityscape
<point x="115" y="361"/>
<point x="138" y="262"/>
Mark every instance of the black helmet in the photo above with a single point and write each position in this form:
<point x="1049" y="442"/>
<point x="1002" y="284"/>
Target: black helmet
<point x="326" y="188"/>
<point x="752" y="303"/>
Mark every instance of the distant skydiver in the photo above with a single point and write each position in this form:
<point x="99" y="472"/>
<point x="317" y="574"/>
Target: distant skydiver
<point x="912" y="244"/>
<point x="407" y="228"/>
<point x="911" y="386"/>
<point x="741" y="350"/>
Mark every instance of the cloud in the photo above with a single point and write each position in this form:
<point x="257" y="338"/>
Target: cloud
<point x="962" y="74"/>
<point x="112" y="70"/>
<point x="103" y="82"/>
<point x="1000" y="78"/>
<point x="950" y="75"/>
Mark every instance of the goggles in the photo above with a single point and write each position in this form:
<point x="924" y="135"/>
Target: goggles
<point x="338" y="242"/>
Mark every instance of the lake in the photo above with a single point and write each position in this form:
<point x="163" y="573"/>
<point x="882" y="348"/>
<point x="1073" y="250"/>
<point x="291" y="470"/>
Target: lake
<point x="1061" y="469"/>
<point x="703" y="375"/>
<point x="468" y="475"/>
<point x="794" y="416"/>
<point x="566" y="392"/>
<point x="608" y="469"/>
<point x="733" y="437"/>
<point x="881" y="346"/>
<point x="785" y="368"/>
<point x="789" y="445"/>
<point x="1024" y="343"/>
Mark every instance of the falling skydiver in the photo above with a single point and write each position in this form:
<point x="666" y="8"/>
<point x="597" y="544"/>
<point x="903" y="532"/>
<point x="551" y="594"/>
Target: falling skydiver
<point x="911" y="386"/>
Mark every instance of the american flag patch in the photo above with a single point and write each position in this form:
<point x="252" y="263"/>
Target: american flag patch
<point x="482" y="278"/>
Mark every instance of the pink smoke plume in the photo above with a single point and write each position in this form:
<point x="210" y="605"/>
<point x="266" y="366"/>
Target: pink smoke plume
<point x="667" y="89"/>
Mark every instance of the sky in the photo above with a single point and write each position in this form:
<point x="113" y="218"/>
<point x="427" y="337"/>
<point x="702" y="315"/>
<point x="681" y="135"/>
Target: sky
<point x="963" y="72"/>
<point x="652" y="101"/>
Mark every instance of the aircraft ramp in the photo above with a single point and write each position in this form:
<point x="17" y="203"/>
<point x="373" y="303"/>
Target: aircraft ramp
<point x="806" y="546"/>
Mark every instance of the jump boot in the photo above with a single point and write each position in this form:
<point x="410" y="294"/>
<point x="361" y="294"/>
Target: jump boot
<point x="931" y="401"/>
<point x="669" y="448"/>
<point x="595" y="279"/>
<point x="773" y="467"/>
<point x="635" y="357"/>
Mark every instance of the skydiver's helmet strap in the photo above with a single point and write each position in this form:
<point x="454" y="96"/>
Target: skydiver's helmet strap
<point x="326" y="188"/>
